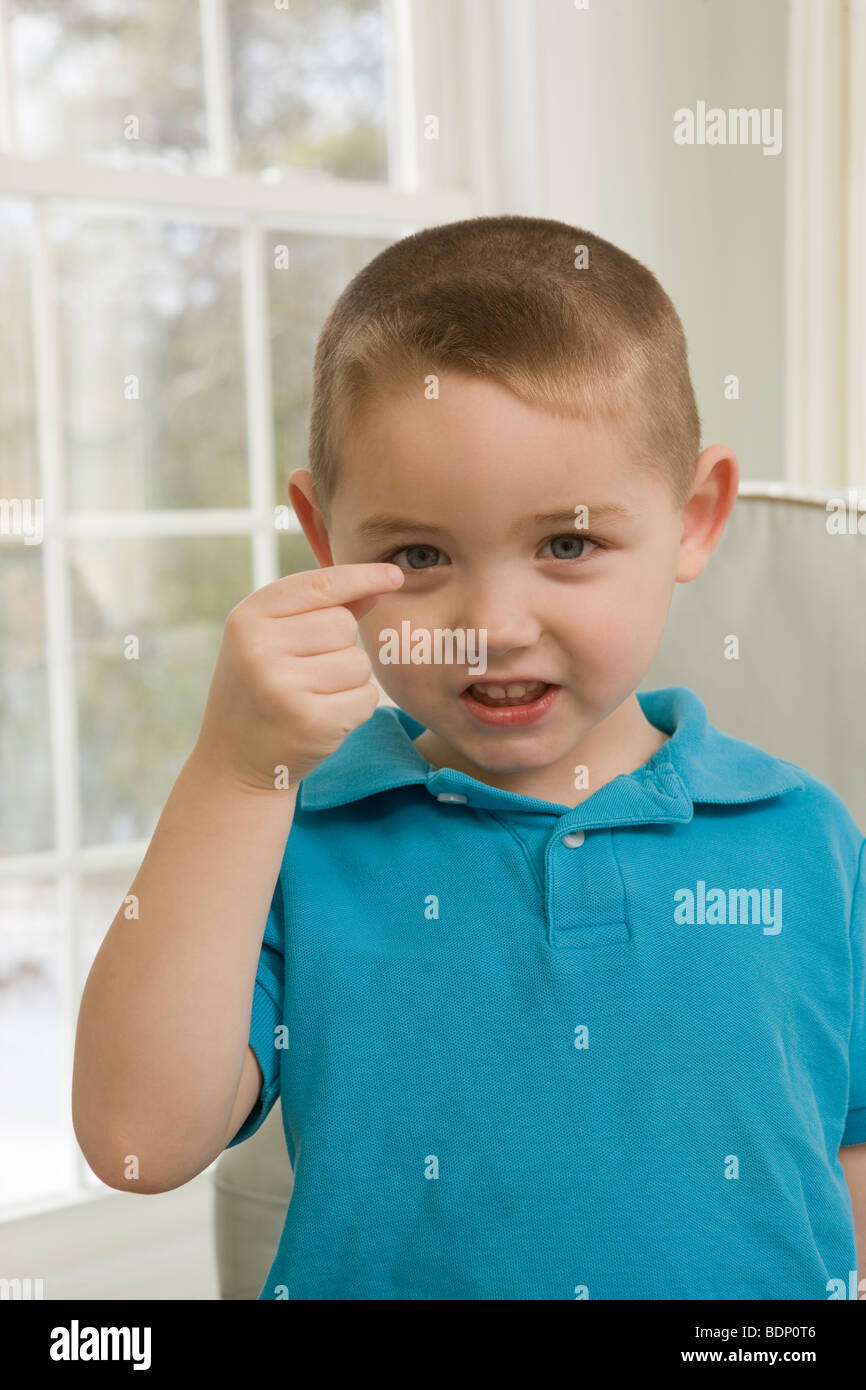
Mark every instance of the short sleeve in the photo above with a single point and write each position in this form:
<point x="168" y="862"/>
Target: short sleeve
<point x="266" y="1017"/>
<point x="855" y="1127"/>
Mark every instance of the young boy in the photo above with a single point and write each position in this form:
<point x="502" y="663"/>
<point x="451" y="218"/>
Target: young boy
<point x="561" y="989"/>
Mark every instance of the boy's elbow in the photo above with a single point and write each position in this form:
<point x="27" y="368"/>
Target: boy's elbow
<point x="121" y="1178"/>
<point x="119" y="1168"/>
<point x="143" y="1189"/>
<point x="126" y="1161"/>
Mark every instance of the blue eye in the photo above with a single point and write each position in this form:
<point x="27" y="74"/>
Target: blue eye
<point x="575" y="546"/>
<point x="425" y="550"/>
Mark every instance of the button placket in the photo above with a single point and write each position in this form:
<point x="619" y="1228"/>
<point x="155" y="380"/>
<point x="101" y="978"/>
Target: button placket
<point x="585" y="894"/>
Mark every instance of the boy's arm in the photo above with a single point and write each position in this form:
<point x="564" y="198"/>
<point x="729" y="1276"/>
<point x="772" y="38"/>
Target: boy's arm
<point x="853" y="1160"/>
<point x="162" y="1039"/>
<point x="161" y="1049"/>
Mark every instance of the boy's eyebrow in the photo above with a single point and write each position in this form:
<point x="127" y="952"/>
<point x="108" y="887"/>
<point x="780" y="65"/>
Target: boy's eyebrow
<point x="598" y="512"/>
<point x="384" y="525"/>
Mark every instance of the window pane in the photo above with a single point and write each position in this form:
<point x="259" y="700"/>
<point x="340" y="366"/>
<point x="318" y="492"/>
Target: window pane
<point x="36" y="1138"/>
<point x="17" y="399"/>
<point x="309" y="86"/>
<point x="303" y="286"/>
<point x="153" y="381"/>
<point x="26" y="815"/>
<point x="295" y="554"/>
<point x="140" y="716"/>
<point x="119" y="82"/>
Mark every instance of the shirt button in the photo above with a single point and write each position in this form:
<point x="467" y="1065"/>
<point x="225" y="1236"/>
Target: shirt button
<point x="451" y="796"/>
<point x="573" y="839"/>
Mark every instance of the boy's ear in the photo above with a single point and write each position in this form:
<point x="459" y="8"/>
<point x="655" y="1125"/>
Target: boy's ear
<point x="303" y="500"/>
<point x="714" y="493"/>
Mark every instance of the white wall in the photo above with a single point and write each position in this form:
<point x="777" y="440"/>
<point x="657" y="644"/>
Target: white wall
<point x="707" y="220"/>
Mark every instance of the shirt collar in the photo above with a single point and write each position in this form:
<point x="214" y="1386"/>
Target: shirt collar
<point x="698" y="763"/>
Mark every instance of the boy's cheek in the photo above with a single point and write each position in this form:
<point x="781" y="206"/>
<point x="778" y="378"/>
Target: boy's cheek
<point x="373" y="624"/>
<point x="374" y="630"/>
<point x="612" y="643"/>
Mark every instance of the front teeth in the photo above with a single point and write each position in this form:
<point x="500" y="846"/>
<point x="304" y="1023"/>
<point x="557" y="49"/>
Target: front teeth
<point x="499" y="692"/>
<point x="517" y="691"/>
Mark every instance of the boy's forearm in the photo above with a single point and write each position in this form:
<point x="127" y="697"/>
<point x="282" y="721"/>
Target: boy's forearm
<point x="164" y="1018"/>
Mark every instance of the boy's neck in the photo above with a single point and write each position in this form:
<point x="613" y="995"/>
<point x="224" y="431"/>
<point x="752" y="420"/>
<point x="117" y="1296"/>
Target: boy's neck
<point x="621" y="743"/>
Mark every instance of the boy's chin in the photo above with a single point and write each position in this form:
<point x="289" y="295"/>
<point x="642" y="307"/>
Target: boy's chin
<point x="496" y="751"/>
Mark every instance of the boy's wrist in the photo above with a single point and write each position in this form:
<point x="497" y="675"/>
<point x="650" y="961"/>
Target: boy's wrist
<point x="209" y="764"/>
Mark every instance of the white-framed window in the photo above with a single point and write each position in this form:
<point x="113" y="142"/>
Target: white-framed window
<point x="184" y="190"/>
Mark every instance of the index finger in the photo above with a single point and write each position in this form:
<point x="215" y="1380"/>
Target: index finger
<point x="329" y="587"/>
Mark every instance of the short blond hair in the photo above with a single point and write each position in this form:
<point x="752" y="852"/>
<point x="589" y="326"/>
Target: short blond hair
<point x="503" y="298"/>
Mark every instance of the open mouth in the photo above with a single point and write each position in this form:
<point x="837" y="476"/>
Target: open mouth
<point x="501" y="696"/>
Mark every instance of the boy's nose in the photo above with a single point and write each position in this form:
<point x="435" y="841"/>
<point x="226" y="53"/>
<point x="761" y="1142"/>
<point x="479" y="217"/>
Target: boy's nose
<point x="504" y="615"/>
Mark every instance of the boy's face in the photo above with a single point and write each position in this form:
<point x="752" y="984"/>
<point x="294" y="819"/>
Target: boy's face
<point x="468" y="474"/>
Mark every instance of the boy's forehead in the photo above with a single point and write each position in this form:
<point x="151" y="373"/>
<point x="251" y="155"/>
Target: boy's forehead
<point x="393" y="477"/>
<point x="476" y="438"/>
<point x="480" y="460"/>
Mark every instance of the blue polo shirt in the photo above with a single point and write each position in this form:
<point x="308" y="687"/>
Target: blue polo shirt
<point x="528" y="1051"/>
